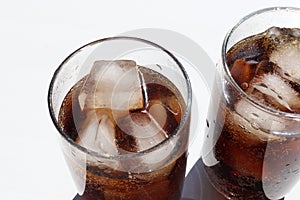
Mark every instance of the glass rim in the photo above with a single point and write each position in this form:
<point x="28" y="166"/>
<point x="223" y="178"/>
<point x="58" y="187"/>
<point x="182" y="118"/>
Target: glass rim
<point x="227" y="71"/>
<point x="132" y="154"/>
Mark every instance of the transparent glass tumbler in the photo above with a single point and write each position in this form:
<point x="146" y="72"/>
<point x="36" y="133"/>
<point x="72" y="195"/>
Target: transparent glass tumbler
<point x="156" y="172"/>
<point x="251" y="151"/>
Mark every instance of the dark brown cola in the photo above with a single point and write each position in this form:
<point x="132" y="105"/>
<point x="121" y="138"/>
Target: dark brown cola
<point x="251" y="153"/>
<point x="128" y="179"/>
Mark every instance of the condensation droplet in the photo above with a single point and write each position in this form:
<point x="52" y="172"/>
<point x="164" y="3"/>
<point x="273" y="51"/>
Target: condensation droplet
<point x="207" y="123"/>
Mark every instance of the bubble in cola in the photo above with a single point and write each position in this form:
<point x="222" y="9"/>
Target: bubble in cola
<point x="121" y="108"/>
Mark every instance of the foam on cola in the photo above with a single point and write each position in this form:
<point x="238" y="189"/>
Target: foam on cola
<point x="244" y="158"/>
<point x="122" y="108"/>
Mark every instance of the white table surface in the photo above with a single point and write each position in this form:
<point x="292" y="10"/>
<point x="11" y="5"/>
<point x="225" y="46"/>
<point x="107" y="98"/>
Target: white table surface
<point x="36" y="35"/>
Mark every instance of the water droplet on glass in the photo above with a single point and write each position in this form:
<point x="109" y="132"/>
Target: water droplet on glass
<point x="207" y="123"/>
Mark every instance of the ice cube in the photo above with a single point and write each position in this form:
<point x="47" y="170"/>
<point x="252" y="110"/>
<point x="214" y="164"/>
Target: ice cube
<point x="112" y="84"/>
<point x="275" y="87"/>
<point x="153" y="134"/>
<point x="158" y="113"/>
<point x="257" y="122"/>
<point x="287" y="58"/>
<point x="87" y="131"/>
<point x="143" y="130"/>
<point x="98" y="133"/>
<point x="285" y="46"/>
<point x="278" y="91"/>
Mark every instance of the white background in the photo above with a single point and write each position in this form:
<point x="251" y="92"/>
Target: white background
<point x="35" y="37"/>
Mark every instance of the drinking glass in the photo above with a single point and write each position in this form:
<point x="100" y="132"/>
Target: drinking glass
<point x="250" y="151"/>
<point x="154" y="173"/>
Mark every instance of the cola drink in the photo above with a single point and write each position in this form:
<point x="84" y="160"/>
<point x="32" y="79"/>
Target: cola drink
<point x="252" y="149"/>
<point x="118" y="112"/>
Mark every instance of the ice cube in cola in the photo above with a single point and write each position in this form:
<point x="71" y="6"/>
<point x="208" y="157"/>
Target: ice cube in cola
<point x="254" y="156"/>
<point x="121" y="108"/>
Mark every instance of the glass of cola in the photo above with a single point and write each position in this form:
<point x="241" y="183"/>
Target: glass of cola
<point x="252" y="146"/>
<point x="122" y="107"/>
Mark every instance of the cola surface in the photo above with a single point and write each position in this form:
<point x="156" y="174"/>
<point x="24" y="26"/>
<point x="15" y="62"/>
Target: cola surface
<point x="129" y="178"/>
<point x="248" y="153"/>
